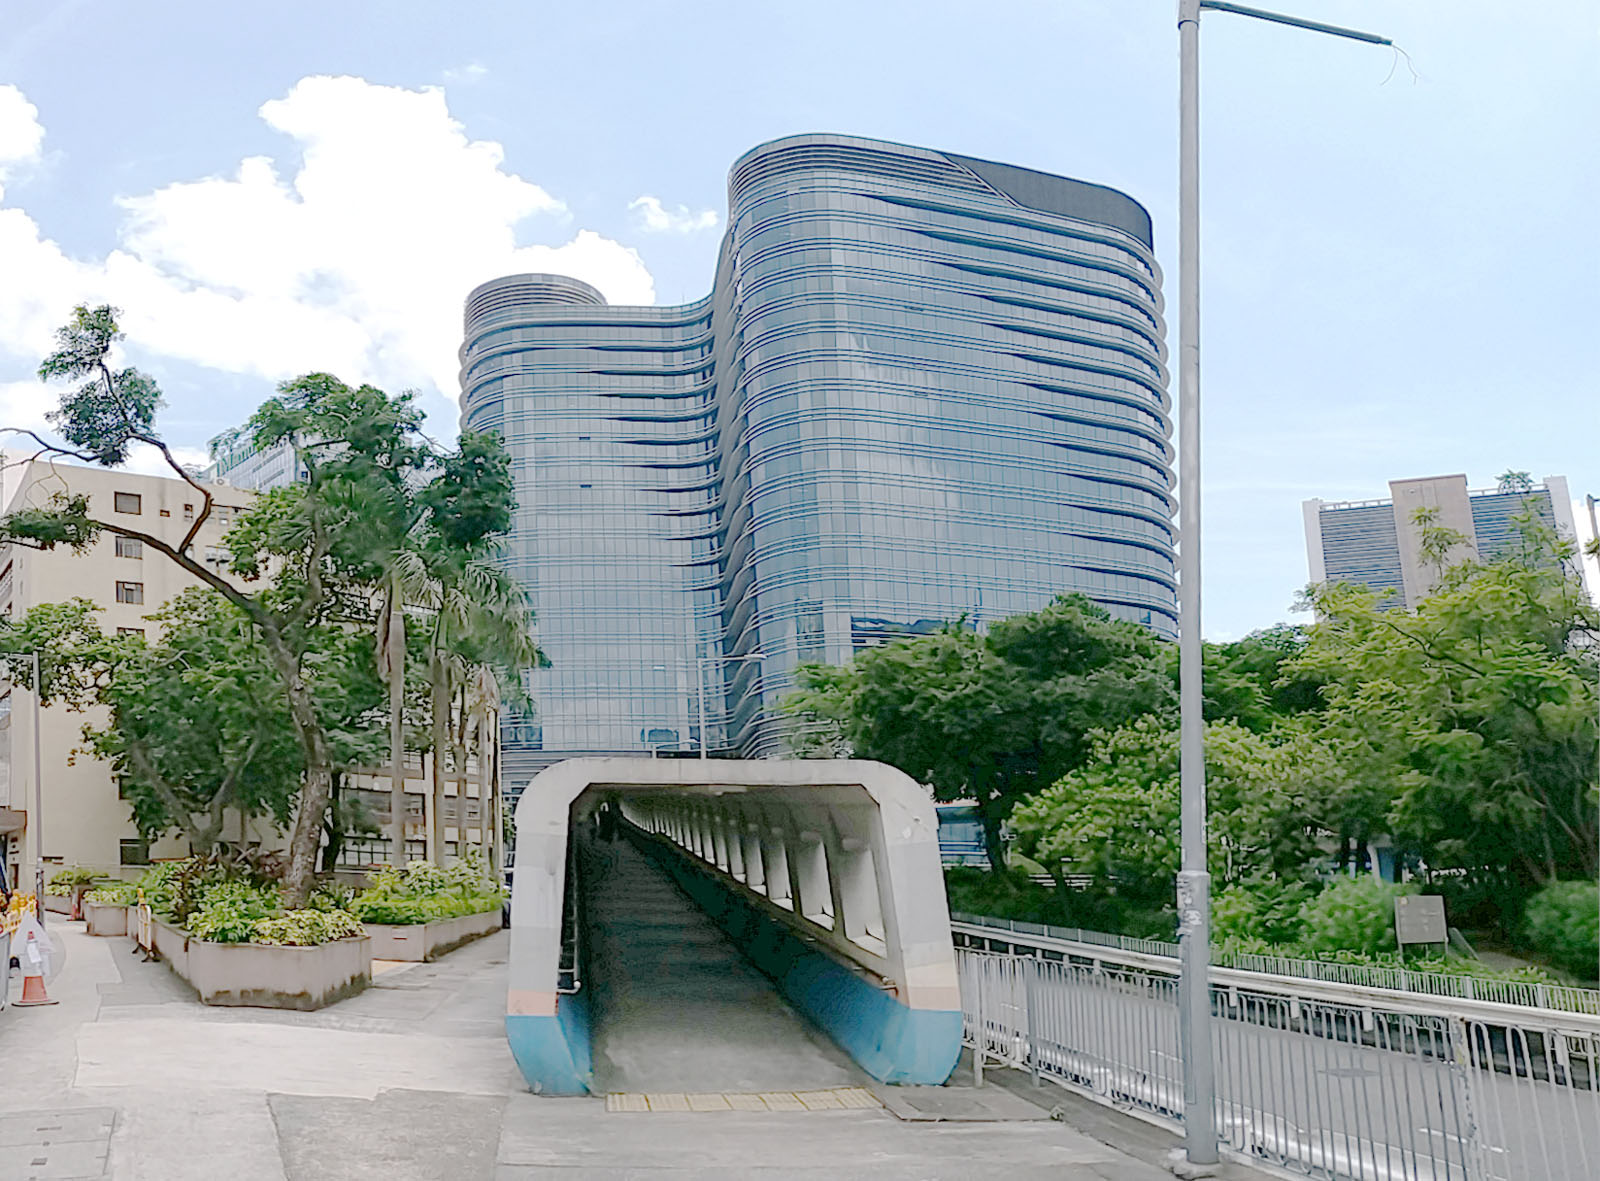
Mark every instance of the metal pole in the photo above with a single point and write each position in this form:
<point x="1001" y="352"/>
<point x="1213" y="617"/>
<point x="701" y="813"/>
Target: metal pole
<point x="1594" y="538"/>
<point x="1194" y="883"/>
<point x="38" y="801"/>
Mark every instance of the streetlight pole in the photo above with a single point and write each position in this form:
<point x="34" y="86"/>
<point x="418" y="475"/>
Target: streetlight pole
<point x="1594" y="540"/>
<point x="700" y="678"/>
<point x="1194" y="882"/>
<point x="38" y="800"/>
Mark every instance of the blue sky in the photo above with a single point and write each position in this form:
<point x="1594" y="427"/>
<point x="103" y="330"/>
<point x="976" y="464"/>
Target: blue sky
<point x="1400" y="274"/>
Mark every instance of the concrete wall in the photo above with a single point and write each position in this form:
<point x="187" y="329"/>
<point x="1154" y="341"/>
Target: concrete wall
<point x="1447" y="494"/>
<point x="427" y="941"/>
<point x="253" y="974"/>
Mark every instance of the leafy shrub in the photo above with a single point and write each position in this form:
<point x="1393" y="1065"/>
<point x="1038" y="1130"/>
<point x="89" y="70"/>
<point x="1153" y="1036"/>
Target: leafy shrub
<point x="1351" y="914"/>
<point x="117" y="893"/>
<point x="332" y="896"/>
<point x="306" y="928"/>
<point x="65" y="881"/>
<point x="1562" y="923"/>
<point x="1260" y="909"/>
<point x="230" y="911"/>
<point x="174" y="889"/>
<point x="423" y="892"/>
<point x="399" y="911"/>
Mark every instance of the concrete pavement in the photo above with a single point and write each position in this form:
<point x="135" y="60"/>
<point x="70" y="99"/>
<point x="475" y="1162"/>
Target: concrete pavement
<point x="130" y="1078"/>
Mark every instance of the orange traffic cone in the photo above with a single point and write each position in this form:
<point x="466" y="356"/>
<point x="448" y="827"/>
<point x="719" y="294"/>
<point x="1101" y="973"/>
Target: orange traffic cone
<point x="33" y="992"/>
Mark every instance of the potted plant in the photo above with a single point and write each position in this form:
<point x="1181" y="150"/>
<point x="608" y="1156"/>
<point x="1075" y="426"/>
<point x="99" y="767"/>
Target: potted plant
<point x="72" y="883"/>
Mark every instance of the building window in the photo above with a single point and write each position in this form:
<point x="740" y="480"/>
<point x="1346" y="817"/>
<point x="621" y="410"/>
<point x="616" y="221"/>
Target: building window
<point x="130" y="592"/>
<point x="130" y="631"/>
<point x="188" y="512"/>
<point x="129" y="547"/>
<point x="135" y="852"/>
<point x="127" y="502"/>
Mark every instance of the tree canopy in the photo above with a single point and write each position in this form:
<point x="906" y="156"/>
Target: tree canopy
<point x="992" y="717"/>
<point x="314" y="555"/>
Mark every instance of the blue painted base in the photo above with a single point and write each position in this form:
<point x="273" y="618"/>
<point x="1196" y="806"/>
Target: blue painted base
<point x="553" y="1053"/>
<point x="891" y="1042"/>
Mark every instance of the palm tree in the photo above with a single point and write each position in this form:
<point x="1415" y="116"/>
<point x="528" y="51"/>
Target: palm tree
<point x="480" y="638"/>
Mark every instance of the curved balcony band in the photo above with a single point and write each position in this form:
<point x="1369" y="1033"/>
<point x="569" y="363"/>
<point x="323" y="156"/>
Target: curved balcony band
<point x="924" y="387"/>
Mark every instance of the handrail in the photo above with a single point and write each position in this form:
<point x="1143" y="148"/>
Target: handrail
<point x="1552" y="1004"/>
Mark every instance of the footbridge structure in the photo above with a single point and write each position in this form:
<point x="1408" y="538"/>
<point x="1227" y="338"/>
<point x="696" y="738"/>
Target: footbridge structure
<point x="823" y="876"/>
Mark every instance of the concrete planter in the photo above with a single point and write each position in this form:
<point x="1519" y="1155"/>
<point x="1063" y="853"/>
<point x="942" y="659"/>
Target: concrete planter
<point x="429" y="941"/>
<point x="58" y="903"/>
<point x="266" y="977"/>
<point x="106" y="918"/>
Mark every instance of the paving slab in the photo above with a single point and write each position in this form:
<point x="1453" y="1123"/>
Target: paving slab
<point x="397" y="1134"/>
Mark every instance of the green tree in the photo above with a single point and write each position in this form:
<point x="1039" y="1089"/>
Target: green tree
<point x="320" y="548"/>
<point x="1248" y="681"/>
<point x="992" y="717"/>
<point x="1116" y="817"/>
<point x="1477" y="706"/>
<point x="196" y="726"/>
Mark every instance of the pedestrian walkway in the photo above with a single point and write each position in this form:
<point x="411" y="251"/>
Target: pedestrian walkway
<point x="130" y="1078"/>
<point x="677" y="1007"/>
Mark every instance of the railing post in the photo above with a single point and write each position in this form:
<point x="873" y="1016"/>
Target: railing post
<point x="980" y="1035"/>
<point x="1030" y="1001"/>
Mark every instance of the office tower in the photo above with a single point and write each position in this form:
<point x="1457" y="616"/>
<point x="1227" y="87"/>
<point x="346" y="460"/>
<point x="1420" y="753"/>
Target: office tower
<point x="923" y="388"/>
<point x="1375" y="542"/>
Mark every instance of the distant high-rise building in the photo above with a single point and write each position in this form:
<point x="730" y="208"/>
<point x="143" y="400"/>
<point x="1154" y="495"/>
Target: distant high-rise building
<point x="1376" y="542"/>
<point x="236" y="460"/>
<point x="923" y="387"/>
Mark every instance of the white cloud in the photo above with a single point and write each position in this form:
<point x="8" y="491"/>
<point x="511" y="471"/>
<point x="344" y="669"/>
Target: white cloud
<point x="21" y="133"/>
<point x="471" y="72"/>
<point x="356" y="259"/>
<point x="147" y="461"/>
<point x="657" y="219"/>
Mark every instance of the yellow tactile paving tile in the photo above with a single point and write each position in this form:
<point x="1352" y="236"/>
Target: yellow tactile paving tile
<point x="781" y="1101"/>
<point x="835" y="1099"/>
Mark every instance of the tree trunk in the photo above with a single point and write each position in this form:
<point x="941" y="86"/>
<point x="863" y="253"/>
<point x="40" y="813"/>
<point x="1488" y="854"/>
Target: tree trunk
<point x="438" y="720"/>
<point x="333" y="827"/>
<point x="485" y="817"/>
<point x="306" y="837"/>
<point x="992" y="844"/>
<point x="396" y="667"/>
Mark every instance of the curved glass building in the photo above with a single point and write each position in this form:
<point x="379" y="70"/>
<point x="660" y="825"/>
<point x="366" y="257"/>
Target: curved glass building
<point x="924" y="387"/>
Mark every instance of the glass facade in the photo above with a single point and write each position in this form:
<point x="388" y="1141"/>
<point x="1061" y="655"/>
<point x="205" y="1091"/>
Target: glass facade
<point x="923" y="388"/>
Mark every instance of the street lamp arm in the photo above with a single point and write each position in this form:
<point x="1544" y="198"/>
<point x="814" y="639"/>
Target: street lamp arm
<point x="1279" y="18"/>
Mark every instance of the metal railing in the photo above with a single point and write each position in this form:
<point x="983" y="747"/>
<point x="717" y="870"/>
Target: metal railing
<point x="1564" y="998"/>
<point x="1352" y="1090"/>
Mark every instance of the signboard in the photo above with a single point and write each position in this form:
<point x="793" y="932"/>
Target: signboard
<point x="1419" y="918"/>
